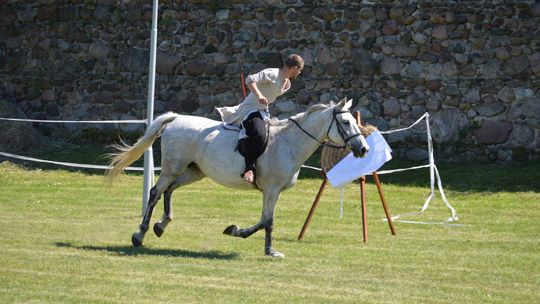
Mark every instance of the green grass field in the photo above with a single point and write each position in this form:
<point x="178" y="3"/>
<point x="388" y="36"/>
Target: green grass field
<point x="65" y="238"/>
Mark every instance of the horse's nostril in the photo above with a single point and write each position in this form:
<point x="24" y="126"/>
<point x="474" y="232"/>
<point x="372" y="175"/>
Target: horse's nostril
<point x="364" y="150"/>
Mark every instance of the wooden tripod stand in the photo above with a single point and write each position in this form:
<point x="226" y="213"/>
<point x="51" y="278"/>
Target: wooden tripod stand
<point x="362" y="197"/>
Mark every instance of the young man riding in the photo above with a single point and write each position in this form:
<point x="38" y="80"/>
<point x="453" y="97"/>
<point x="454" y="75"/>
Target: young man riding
<point x="252" y="112"/>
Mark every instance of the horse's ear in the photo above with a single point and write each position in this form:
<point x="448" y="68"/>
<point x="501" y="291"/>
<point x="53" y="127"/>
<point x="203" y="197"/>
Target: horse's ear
<point x="344" y="104"/>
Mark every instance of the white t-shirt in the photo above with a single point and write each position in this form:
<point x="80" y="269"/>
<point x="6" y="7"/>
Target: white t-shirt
<point x="270" y="83"/>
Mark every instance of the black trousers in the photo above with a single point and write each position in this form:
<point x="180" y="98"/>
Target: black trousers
<point x="254" y="145"/>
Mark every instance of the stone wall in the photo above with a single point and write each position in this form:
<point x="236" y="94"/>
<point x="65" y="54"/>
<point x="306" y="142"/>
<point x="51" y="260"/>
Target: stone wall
<point x="474" y="66"/>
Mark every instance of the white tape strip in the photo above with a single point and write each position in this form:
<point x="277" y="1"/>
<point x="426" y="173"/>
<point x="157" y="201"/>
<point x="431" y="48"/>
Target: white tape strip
<point x="379" y="172"/>
<point x="439" y="185"/>
<point x="434" y="172"/>
<point x="312" y="168"/>
<point x="66" y="164"/>
<point x="137" y="121"/>
<point x="407" y="128"/>
<point x="401" y="170"/>
<point x="430" y="223"/>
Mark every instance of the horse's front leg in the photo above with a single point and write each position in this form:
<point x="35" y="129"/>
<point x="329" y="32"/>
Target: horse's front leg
<point x="234" y="230"/>
<point x="269" y="205"/>
<point x="267" y="222"/>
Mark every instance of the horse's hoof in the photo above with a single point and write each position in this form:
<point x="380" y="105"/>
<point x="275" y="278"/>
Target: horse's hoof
<point x="158" y="230"/>
<point x="231" y="230"/>
<point x="136" y="241"/>
<point x="275" y="254"/>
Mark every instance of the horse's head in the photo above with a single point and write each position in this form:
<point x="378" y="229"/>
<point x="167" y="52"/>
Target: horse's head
<point x="344" y="129"/>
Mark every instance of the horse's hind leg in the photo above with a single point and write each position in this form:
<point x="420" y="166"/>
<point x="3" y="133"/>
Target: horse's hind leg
<point x="164" y="181"/>
<point x="192" y="174"/>
<point x="159" y="227"/>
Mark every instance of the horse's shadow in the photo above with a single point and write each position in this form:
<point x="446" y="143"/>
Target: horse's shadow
<point x="141" y="251"/>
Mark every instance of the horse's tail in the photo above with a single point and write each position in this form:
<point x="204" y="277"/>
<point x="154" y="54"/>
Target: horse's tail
<point x="129" y="154"/>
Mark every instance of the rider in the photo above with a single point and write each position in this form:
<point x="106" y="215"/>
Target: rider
<point x="252" y="112"/>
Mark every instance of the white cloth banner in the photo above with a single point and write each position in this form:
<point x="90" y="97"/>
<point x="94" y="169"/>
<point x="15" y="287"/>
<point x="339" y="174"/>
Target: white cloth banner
<point x="351" y="168"/>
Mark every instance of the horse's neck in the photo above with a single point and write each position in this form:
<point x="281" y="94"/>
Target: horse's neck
<point x="303" y="145"/>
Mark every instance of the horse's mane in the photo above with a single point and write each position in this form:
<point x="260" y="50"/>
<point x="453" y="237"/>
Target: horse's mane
<point x="367" y="129"/>
<point x="300" y="117"/>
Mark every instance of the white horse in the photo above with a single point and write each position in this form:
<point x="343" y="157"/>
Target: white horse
<point x="194" y="147"/>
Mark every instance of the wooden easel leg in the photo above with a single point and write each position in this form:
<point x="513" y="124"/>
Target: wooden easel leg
<point x="383" y="201"/>
<point x="312" y="210"/>
<point x="364" y="211"/>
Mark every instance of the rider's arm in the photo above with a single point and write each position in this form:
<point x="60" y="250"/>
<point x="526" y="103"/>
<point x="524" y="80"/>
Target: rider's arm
<point x="264" y="76"/>
<point x="253" y="88"/>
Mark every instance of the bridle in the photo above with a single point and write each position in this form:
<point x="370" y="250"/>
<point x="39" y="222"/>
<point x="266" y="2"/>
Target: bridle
<point x="341" y="131"/>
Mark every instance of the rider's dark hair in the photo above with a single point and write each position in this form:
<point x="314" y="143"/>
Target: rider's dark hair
<point x="294" y="61"/>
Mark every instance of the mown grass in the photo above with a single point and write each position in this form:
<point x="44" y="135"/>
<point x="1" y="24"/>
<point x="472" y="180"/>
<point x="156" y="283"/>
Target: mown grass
<point x="66" y="239"/>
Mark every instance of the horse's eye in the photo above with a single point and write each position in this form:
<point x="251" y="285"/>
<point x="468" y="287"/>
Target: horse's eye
<point x="346" y="122"/>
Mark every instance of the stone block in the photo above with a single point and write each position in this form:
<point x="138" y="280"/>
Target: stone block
<point x="535" y="63"/>
<point x="522" y="135"/>
<point x="390" y="66"/>
<point x="490" y="110"/>
<point x="440" y="33"/>
<point x="517" y="65"/>
<point x="98" y="49"/>
<point x="391" y="107"/>
<point x="432" y="85"/>
<point x="167" y="64"/>
<point x="493" y="132"/>
<point x="390" y="27"/>
<point x="417" y="154"/>
<point x="447" y="125"/>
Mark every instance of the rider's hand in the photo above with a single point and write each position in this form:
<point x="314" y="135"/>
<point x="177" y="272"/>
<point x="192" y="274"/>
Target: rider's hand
<point x="263" y="100"/>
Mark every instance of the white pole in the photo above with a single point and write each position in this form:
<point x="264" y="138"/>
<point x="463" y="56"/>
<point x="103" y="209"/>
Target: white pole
<point x="431" y="165"/>
<point x="148" y="180"/>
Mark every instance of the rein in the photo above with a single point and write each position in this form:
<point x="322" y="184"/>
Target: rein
<point x="315" y="139"/>
<point x="340" y="130"/>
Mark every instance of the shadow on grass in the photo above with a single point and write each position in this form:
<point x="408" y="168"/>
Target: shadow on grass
<point x="142" y="251"/>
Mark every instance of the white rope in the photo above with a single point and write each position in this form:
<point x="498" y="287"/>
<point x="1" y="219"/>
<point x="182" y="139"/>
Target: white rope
<point x="67" y="164"/>
<point x="429" y="223"/>
<point x="312" y="168"/>
<point x="135" y="121"/>
<point x="407" y="128"/>
<point x="434" y="173"/>
<point x="400" y="170"/>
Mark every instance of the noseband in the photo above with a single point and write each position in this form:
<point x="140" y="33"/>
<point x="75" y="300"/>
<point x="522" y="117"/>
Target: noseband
<point x="341" y="131"/>
<point x="340" y="128"/>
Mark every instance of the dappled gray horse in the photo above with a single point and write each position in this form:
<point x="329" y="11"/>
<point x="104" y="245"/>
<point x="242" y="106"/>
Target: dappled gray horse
<point x="194" y="147"/>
